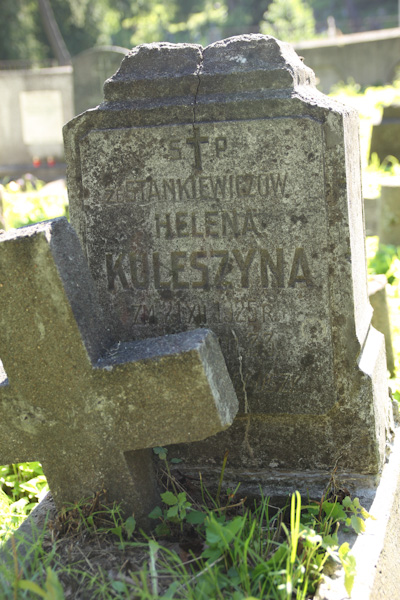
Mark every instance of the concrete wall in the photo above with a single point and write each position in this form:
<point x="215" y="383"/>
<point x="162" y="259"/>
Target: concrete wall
<point x="34" y="105"/>
<point x="370" y="58"/>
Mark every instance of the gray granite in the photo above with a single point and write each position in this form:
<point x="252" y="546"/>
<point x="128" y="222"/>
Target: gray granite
<point x="218" y="188"/>
<point x="86" y="409"/>
<point x="381" y="316"/>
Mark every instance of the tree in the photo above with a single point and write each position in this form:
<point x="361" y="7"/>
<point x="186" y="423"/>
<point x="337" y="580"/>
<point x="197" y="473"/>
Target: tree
<point x="166" y="21"/>
<point x="21" y="34"/>
<point x="289" y="20"/>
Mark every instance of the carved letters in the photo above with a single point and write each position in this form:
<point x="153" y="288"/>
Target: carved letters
<point x="205" y="187"/>
<point x="200" y="269"/>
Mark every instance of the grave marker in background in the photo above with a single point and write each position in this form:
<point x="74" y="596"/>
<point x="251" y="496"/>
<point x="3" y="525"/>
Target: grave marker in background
<point x="225" y="192"/>
<point x="88" y="411"/>
<point x="385" y="135"/>
<point x="91" y="68"/>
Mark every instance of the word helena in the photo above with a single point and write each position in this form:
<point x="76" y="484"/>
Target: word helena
<point x="211" y="223"/>
<point x="220" y="269"/>
<point x="245" y="185"/>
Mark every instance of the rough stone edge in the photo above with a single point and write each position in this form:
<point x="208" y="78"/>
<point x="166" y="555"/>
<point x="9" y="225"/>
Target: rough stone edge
<point x="369" y="548"/>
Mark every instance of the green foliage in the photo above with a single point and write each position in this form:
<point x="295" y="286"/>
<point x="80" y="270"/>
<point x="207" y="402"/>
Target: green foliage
<point x="21" y="486"/>
<point x="349" y="565"/>
<point x="52" y="589"/>
<point x="161" y="22"/>
<point x="289" y="20"/>
<point x="383" y="259"/>
<point x="21" y="34"/>
<point x="25" y="205"/>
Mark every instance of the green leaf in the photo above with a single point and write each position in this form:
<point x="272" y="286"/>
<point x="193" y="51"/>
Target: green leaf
<point x="156" y="513"/>
<point x="211" y="554"/>
<point x="117" y="530"/>
<point x="130" y="525"/>
<point x="347" y="503"/>
<point x="118" y="586"/>
<point x="330" y="541"/>
<point x="349" y="565"/>
<point x="222" y="534"/>
<point x="357" y="524"/>
<point x="176" y="461"/>
<point x="334" y="510"/>
<point x="32" y="587"/>
<point x="169" y="498"/>
<point x="162" y="529"/>
<point x="173" y="511"/>
<point x="196" y="517"/>
<point x="170" y="593"/>
<point x="161" y="452"/>
<point x="182" y="498"/>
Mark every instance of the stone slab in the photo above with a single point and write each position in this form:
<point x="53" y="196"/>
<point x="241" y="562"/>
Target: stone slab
<point x="381" y="317"/>
<point x="389" y="211"/>
<point x="217" y="187"/>
<point x="385" y="135"/>
<point x="88" y="410"/>
<point x="377" y="550"/>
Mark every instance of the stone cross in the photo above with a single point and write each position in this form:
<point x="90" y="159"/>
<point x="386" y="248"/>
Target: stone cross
<point x="216" y="187"/>
<point x="87" y="410"/>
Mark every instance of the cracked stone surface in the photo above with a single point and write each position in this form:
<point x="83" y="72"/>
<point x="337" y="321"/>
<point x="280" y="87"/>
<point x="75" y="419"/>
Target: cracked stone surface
<point x="218" y="188"/>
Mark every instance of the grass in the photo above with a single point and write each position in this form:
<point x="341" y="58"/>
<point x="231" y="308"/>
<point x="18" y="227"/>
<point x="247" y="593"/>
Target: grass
<point x="230" y="549"/>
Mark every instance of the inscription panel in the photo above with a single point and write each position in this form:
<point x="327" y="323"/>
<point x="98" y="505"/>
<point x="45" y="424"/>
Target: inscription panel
<point x="214" y="226"/>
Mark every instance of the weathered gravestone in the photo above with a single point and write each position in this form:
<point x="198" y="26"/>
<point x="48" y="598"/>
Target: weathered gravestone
<point x="389" y="211"/>
<point x="91" y="68"/>
<point x="216" y="187"/>
<point x="381" y="318"/>
<point x="386" y="134"/>
<point x="86" y="410"/>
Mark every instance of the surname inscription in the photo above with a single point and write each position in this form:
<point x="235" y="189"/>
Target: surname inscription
<point x="213" y="231"/>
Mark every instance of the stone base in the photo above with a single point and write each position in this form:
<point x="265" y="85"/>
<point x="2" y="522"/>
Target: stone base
<point x="279" y="486"/>
<point x="376" y="551"/>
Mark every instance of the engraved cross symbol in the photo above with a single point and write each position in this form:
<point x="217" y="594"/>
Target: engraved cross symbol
<point x="195" y="141"/>
<point x="89" y="413"/>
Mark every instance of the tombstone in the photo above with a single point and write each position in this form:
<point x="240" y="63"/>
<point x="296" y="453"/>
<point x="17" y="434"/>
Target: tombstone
<point x="91" y="68"/>
<point x="35" y="104"/>
<point x="371" y="215"/>
<point x="386" y="134"/>
<point x="2" y="220"/>
<point x="217" y="188"/>
<point x="380" y="318"/>
<point x="389" y="211"/>
<point x="86" y="410"/>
